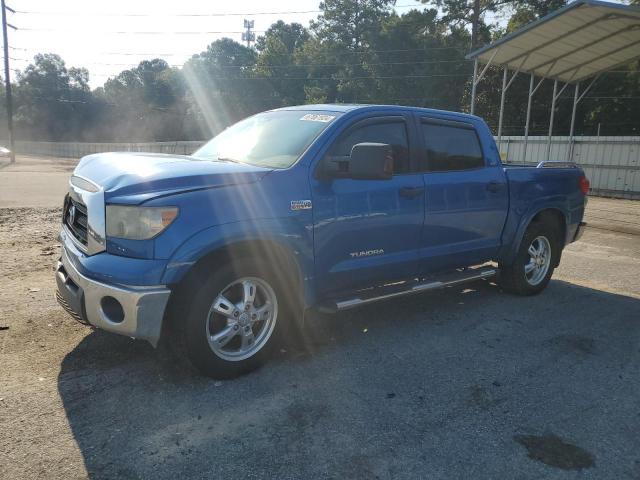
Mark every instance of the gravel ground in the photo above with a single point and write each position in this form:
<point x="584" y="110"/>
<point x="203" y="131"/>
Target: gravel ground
<point x="462" y="383"/>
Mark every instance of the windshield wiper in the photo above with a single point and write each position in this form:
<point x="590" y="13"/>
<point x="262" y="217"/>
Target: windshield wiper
<point x="226" y="159"/>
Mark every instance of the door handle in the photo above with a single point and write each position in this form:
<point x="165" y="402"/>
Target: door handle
<point x="411" y="192"/>
<point x="494" y="186"/>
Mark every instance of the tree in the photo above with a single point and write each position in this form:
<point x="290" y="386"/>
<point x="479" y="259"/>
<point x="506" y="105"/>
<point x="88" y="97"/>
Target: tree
<point x="528" y="11"/>
<point x="351" y="24"/>
<point x="344" y="34"/>
<point x="145" y="102"/>
<point x="356" y="51"/>
<point x="469" y="12"/>
<point x="417" y="62"/>
<point x="222" y="86"/>
<point x="279" y="60"/>
<point x="52" y="102"/>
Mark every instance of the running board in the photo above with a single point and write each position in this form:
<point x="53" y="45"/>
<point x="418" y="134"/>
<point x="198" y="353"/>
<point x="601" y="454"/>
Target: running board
<point x="454" y="279"/>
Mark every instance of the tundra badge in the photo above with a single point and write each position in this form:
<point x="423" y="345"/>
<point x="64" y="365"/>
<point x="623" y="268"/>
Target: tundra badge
<point x="367" y="253"/>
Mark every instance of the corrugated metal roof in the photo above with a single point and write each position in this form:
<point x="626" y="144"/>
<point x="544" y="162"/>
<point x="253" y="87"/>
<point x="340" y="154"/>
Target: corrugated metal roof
<point x="578" y="41"/>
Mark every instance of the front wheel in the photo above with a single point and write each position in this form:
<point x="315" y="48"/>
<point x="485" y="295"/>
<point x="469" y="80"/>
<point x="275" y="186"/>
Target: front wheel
<point x="534" y="263"/>
<point x="232" y="320"/>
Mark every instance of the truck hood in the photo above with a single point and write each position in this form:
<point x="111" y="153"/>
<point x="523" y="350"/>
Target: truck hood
<point x="124" y="175"/>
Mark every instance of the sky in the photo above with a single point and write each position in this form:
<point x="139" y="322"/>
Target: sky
<point x="98" y="35"/>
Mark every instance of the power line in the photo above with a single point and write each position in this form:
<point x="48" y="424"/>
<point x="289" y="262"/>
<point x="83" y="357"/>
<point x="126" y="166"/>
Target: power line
<point x="350" y="52"/>
<point x="137" y="32"/>
<point x="338" y="79"/>
<point x="167" y="14"/>
<point x="293" y="65"/>
<point x="402" y="24"/>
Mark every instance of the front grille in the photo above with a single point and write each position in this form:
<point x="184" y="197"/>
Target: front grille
<point x="75" y="219"/>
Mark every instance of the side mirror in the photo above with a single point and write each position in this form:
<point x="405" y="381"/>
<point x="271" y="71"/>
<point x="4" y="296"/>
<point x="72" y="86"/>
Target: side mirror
<point x="371" y="161"/>
<point x="367" y="161"/>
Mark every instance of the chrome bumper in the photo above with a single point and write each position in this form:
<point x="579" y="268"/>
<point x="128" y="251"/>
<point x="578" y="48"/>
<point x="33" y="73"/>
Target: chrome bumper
<point x="132" y="311"/>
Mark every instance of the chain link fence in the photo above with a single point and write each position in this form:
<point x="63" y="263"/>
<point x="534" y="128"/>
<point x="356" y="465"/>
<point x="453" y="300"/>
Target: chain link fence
<point x="78" y="150"/>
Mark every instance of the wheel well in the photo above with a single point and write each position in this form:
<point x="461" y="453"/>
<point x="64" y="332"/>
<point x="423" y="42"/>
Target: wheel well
<point x="277" y="257"/>
<point x="553" y="216"/>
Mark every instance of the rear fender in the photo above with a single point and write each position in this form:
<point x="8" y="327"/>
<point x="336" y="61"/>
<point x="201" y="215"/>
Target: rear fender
<point x="511" y="248"/>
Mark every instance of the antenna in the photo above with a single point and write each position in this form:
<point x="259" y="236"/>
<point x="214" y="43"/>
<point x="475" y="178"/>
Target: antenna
<point x="248" y="36"/>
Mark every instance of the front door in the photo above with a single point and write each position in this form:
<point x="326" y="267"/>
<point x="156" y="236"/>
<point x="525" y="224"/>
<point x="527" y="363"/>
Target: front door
<point x="368" y="231"/>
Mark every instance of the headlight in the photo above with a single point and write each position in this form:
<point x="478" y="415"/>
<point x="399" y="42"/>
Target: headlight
<point x="138" y="223"/>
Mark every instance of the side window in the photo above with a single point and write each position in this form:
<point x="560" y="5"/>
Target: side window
<point x="450" y="147"/>
<point x="391" y="133"/>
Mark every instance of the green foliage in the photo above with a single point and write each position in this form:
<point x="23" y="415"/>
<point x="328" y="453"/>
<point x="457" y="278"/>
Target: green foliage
<point x="356" y="51"/>
<point x="531" y="10"/>
<point x="459" y="13"/>
<point x="281" y="61"/>
<point x="145" y="102"/>
<point x="350" y="24"/>
<point x="52" y="101"/>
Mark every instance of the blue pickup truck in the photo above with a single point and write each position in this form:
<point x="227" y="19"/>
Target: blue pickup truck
<point x="318" y="206"/>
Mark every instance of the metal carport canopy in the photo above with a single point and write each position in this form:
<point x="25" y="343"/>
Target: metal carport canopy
<point x="579" y="41"/>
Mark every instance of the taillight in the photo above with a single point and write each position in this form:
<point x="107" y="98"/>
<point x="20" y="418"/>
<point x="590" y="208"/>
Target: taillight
<point x="584" y="185"/>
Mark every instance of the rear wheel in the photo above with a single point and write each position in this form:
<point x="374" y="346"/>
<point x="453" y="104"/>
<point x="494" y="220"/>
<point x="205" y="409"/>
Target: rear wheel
<point x="233" y="318"/>
<point x="534" y="263"/>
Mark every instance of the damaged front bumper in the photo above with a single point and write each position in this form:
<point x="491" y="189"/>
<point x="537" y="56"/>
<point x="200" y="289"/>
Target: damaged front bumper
<point x="134" y="311"/>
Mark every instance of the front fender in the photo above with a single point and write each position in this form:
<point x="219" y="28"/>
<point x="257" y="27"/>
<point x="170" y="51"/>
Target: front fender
<point x="289" y="233"/>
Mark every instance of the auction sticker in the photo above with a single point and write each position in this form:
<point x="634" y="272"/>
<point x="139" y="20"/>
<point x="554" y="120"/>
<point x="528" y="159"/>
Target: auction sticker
<point x="301" y="205"/>
<point x="316" y="117"/>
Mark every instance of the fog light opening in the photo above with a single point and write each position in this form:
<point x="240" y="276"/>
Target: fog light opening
<point x="112" y="309"/>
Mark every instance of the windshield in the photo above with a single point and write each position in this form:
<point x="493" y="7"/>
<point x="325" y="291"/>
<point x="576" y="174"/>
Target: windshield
<point x="270" y="139"/>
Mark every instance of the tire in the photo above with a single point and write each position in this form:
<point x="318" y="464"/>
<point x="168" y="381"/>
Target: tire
<point x="535" y="261"/>
<point x="234" y="318"/>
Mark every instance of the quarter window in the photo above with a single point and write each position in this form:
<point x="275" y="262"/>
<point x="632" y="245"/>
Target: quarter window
<point x="450" y="147"/>
<point x="391" y="133"/>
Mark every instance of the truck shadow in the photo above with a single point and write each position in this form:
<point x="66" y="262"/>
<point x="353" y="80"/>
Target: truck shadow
<point x="409" y="375"/>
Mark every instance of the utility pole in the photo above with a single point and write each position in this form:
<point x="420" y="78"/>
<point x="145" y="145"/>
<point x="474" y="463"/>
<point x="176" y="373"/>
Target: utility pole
<point x="248" y="36"/>
<point x="7" y="80"/>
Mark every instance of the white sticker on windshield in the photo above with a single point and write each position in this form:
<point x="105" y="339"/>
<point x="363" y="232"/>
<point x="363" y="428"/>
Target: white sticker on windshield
<point x="316" y="117"/>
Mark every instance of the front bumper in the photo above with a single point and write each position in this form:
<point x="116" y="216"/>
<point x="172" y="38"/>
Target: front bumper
<point x="132" y="311"/>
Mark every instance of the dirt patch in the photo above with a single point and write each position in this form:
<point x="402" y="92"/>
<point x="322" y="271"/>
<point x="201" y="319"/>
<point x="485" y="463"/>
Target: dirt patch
<point x="30" y="236"/>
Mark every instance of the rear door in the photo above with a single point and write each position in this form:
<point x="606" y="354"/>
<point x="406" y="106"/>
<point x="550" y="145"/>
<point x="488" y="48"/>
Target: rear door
<point x="367" y="231"/>
<point x="466" y="196"/>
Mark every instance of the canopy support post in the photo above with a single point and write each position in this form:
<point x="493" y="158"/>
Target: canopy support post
<point x="473" y="85"/>
<point x="553" y="111"/>
<point x="477" y="78"/>
<point x="573" y="121"/>
<point x="576" y="100"/>
<point x="532" y="92"/>
<point x="504" y="91"/>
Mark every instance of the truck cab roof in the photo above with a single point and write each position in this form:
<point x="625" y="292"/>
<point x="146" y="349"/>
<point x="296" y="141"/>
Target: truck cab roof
<point x="354" y="107"/>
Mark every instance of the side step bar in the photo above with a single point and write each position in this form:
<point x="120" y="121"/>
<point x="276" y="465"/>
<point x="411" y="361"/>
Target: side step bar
<point x="466" y="276"/>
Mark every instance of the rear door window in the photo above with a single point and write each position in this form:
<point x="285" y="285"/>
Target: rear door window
<point x="450" y="146"/>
